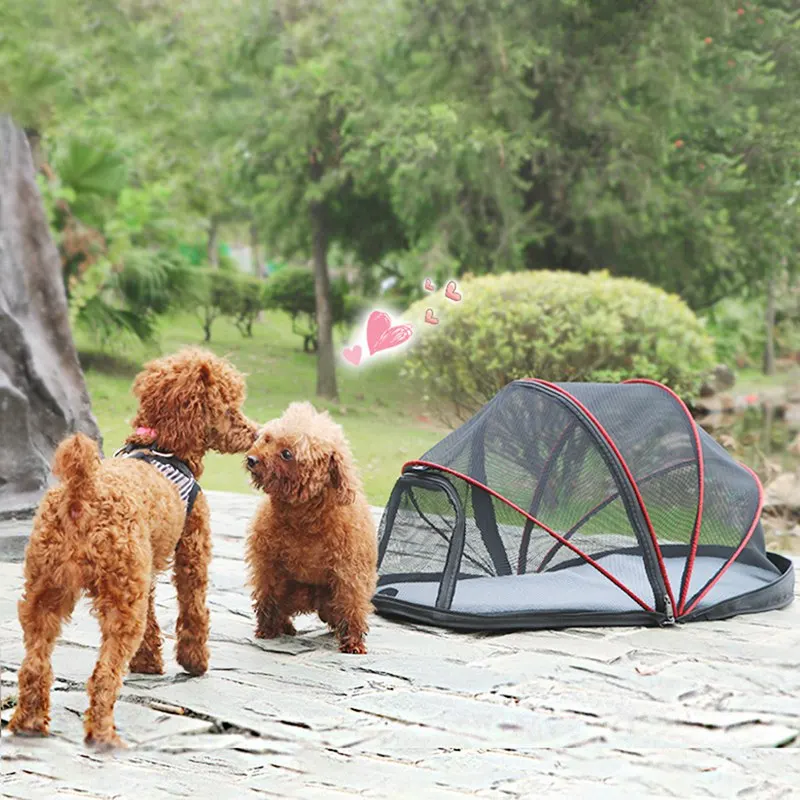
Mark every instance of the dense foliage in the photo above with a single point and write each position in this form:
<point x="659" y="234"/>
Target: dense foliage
<point x="655" y="140"/>
<point x="118" y="244"/>
<point x="556" y="326"/>
<point x="292" y="290"/>
<point x="737" y="326"/>
<point x="228" y="294"/>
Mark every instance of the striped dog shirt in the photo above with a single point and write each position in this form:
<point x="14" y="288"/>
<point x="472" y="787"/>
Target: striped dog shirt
<point x="173" y="469"/>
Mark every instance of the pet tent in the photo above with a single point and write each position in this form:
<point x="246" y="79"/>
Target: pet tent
<point x="577" y="504"/>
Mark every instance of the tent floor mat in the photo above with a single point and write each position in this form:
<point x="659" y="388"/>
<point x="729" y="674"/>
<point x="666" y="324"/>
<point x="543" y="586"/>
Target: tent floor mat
<point x="581" y="588"/>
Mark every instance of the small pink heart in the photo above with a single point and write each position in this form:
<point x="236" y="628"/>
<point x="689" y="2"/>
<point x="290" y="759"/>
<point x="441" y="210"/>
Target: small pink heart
<point x="352" y="354"/>
<point x="450" y="292"/>
<point x="382" y="336"/>
<point x="430" y="286"/>
<point x="429" y="318"/>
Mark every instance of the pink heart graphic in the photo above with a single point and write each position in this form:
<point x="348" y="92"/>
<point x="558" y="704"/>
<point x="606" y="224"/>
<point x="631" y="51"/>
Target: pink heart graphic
<point x="430" y="286"/>
<point x="352" y="354"/>
<point x="429" y="318"/>
<point x="450" y="292"/>
<point x="382" y="336"/>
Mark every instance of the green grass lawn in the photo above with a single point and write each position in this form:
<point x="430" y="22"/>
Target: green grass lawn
<point x="381" y="414"/>
<point x="753" y="380"/>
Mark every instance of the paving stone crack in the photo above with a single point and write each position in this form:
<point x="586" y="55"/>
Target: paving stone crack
<point x="219" y="724"/>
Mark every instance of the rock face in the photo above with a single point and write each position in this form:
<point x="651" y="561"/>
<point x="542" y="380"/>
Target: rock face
<point x="720" y="380"/>
<point x="43" y="395"/>
<point x="783" y="494"/>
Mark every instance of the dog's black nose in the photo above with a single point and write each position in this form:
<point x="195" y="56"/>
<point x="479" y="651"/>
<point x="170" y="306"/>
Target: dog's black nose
<point x="251" y="461"/>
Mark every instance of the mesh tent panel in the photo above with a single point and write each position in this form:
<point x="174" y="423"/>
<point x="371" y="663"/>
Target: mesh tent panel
<point x="650" y="426"/>
<point x="656" y="438"/>
<point x="421" y="532"/>
<point x="535" y="453"/>
<point x="731" y="507"/>
<point x="545" y="507"/>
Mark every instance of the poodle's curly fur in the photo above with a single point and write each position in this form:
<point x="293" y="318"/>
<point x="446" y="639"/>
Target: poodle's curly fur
<point x="110" y="526"/>
<point x="312" y="545"/>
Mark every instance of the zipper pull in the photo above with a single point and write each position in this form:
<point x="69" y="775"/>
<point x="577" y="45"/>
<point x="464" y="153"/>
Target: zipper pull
<point x="669" y="610"/>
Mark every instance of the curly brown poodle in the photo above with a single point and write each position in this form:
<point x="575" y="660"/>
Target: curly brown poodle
<point x="110" y="526"/>
<point x="312" y="545"/>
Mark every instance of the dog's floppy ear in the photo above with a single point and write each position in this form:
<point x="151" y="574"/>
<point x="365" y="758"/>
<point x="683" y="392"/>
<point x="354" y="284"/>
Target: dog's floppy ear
<point x="173" y="400"/>
<point x="340" y="481"/>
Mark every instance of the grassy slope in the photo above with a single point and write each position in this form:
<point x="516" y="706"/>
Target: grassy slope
<point x="380" y="413"/>
<point x="753" y="380"/>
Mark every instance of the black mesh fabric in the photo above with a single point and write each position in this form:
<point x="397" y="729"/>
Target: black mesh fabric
<point x="421" y="532"/>
<point x="467" y="529"/>
<point x="534" y="452"/>
<point x="655" y="436"/>
<point x="730" y="509"/>
<point x="656" y="440"/>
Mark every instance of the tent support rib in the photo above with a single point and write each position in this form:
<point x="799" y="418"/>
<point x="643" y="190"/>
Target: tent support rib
<point x="712" y="583"/>
<point x="522" y="559"/>
<point x="661" y="599"/>
<point x="558" y="536"/>
<point x="698" y="522"/>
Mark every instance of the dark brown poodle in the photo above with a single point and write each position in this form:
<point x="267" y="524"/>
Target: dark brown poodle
<point x="312" y="545"/>
<point x="112" y="525"/>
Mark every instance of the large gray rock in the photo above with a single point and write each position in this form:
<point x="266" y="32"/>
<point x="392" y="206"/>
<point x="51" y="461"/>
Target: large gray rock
<point x="721" y="379"/>
<point x="43" y="395"/>
<point x="783" y="494"/>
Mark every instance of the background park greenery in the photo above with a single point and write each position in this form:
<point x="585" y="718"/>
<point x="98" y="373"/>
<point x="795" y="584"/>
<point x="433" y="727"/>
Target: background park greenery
<point x="357" y="142"/>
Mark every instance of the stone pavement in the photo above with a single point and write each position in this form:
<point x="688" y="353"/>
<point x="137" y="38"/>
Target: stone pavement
<point x="706" y="710"/>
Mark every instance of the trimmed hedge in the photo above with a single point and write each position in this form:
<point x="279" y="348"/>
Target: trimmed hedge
<point x="292" y="290"/>
<point x="231" y="294"/>
<point x="558" y="326"/>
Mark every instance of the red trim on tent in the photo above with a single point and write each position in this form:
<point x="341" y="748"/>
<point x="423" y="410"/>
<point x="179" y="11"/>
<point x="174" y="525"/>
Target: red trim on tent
<point x="628" y="473"/>
<point x="544" y="527"/>
<point x="741" y="546"/>
<point x="700" y="489"/>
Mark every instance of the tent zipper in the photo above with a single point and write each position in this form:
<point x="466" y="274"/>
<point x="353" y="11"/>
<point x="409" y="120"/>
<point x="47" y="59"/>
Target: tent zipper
<point x="669" y="612"/>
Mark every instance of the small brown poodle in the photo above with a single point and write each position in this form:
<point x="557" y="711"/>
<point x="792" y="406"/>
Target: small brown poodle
<point x="312" y="545"/>
<point x="112" y="525"/>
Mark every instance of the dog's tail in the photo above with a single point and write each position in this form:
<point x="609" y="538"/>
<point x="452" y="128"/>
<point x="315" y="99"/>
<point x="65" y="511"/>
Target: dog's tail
<point x="75" y="464"/>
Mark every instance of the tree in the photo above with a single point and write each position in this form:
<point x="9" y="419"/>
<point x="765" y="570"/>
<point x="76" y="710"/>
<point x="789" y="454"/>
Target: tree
<point x="147" y="72"/>
<point x="657" y="140"/>
<point x="584" y="134"/>
<point x="293" y="290"/>
<point x="307" y="62"/>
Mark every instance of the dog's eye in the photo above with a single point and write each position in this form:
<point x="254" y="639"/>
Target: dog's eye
<point x="286" y="455"/>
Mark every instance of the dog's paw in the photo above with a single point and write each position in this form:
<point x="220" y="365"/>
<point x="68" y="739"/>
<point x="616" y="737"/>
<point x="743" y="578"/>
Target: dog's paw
<point x="21" y="727"/>
<point x="354" y="646"/>
<point x="105" y="742"/>
<point x="147" y="664"/>
<point x="193" y="656"/>
<point x="273" y="631"/>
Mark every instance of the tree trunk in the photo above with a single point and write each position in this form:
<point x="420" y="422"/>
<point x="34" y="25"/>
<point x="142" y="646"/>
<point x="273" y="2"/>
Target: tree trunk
<point x="769" y="324"/>
<point x="43" y="396"/>
<point x="212" y="251"/>
<point x="259" y="267"/>
<point x="326" y="362"/>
